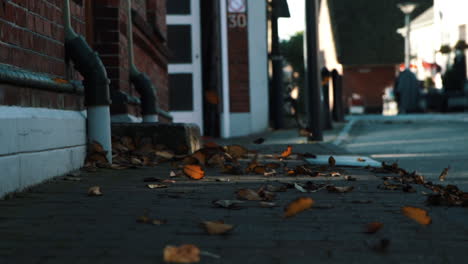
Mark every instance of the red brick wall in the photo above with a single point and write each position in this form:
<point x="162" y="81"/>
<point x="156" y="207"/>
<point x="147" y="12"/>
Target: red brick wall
<point x="238" y="64"/>
<point x="369" y="82"/>
<point x="32" y="37"/>
<point x="149" y="47"/>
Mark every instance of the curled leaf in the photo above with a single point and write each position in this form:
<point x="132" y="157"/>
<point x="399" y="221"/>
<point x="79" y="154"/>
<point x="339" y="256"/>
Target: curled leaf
<point x="195" y="172"/>
<point x="184" y="254"/>
<point x="236" y="151"/>
<point x="297" y="206"/>
<point x="248" y="194"/>
<point x="267" y="204"/>
<point x="287" y="152"/>
<point x="200" y="157"/>
<point x="336" y="189"/>
<point x="216" y="228"/>
<point x="417" y="214"/>
<point x="165" y="154"/>
<point x="373" y="227"/>
<point x="94" y="191"/>
<point x="156" y="186"/>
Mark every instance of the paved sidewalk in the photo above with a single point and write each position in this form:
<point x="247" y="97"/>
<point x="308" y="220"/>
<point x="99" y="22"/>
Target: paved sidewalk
<point x="57" y="222"/>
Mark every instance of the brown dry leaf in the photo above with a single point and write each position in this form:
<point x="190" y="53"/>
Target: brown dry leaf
<point x="444" y="174"/>
<point x="128" y="143"/>
<point x="156" y="186"/>
<point x="211" y="145"/>
<point x="287" y="152"/>
<point x="96" y="147"/>
<point x="118" y="167"/>
<point x="266" y="195"/>
<point x="272" y="165"/>
<point x="303" y="132"/>
<point x="361" y="160"/>
<point x="349" y="178"/>
<point x="165" y="154"/>
<point x="217" y="160"/>
<point x="417" y="214"/>
<point x="158" y="221"/>
<point x="184" y="254"/>
<point x="373" y="227"/>
<point x="189" y="160"/>
<point x="231" y="169"/>
<point x="94" y="191"/>
<point x="195" y="172"/>
<point x="136" y="161"/>
<point x="335" y="174"/>
<point x="297" y="206"/>
<point x="260" y="170"/>
<point x="236" y="151"/>
<point x="216" y="227"/>
<point x="97" y="157"/>
<point x="168" y="181"/>
<point x="343" y="189"/>
<point x="269" y="173"/>
<point x="200" y="157"/>
<point x="252" y="165"/>
<point x="60" y="80"/>
<point x="248" y="194"/>
<point x="331" y="161"/>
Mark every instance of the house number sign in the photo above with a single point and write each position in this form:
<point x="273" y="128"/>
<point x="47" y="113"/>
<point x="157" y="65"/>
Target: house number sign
<point x="237" y="17"/>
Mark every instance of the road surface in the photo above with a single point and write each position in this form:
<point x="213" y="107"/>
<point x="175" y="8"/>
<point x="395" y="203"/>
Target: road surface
<point x="423" y="145"/>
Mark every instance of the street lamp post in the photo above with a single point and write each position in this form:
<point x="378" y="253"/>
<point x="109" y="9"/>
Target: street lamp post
<point x="407" y="8"/>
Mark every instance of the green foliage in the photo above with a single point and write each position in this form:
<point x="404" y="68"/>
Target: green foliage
<point x="293" y="52"/>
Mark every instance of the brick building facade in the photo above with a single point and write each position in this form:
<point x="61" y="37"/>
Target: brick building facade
<point x="42" y="103"/>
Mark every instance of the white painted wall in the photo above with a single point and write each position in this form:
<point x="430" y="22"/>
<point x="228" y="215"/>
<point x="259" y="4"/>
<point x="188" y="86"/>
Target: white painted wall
<point x="258" y="69"/>
<point x="37" y="144"/>
<point x="240" y="124"/>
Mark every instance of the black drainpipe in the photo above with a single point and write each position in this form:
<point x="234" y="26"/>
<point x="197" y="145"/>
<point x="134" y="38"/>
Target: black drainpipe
<point x="95" y="82"/>
<point x="141" y="81"/>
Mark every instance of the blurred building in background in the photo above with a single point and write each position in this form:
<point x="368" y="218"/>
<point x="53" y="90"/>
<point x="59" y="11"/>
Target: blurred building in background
<point x="359" y="39"/>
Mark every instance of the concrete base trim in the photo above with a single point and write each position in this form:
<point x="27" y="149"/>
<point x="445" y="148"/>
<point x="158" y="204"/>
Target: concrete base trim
<point x="26" y="169"/>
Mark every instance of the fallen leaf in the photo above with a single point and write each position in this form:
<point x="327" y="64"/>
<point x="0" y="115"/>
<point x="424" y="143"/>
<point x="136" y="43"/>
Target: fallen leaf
<point x="128" y="143"/>
<point x="231" y="169"/>
<point x="267" y="204"/>
<point x="217" y="160"/>
<point x="236" y="151"/>
<point x="444" y="174"/>
<point x="272" y="165"/>
<point x="259" y="141"/>
<point x="216" y="228"/>
<point x="335" y="174"/>
<point x="118" y="167"/>
<point x="227" y="203"/>
<point x="373" y="227"/>
<point x="60" y="80"/>
<point x="136" y="161"/>
<point x="165" y="154"/>
<point x="287" y="152"/>
<point x="298" y="205"/>
<point x="94" y="191"/>
<point x="248" y="194"/>
<point x="260" y="170"/>
<point x="156" y="186"/>
<point x="97" y="157"/>
<point x="211" y="145"/>
<point x="349" y="178"/>
<point x="269" y="173"/>
<point x="158" y="222"/>
<point x="417" y="214"/>
<point x="223" y="180"/>
<point x="200" y="157"/>
<point x="361" y="160"/>
<point x="299" y="188"/>
<point x="331" y="161"/>
<point x="305" y="132"/>
<point x="343" y="189"/>
<point x="184" y="254"/>
<point x="195" y="172"/>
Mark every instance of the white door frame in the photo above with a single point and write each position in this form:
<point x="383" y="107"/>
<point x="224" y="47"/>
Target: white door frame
<point x="194" y="68"/>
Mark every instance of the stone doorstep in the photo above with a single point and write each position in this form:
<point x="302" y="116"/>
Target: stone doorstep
<point x="182" y="138"/>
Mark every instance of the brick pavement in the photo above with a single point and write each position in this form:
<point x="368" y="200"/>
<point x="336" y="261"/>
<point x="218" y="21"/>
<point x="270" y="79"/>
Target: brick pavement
<point x="56" y="222"/>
